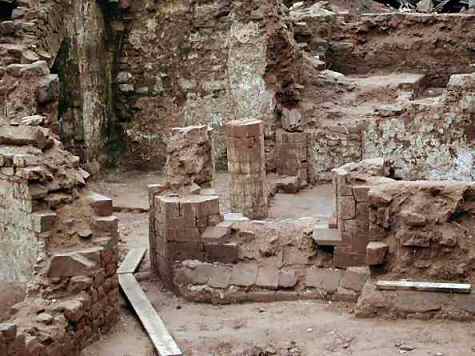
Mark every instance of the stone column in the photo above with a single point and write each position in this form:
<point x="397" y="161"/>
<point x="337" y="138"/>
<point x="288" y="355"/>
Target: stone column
<point x="190" y="158"/>
<point x="246" y="164"/>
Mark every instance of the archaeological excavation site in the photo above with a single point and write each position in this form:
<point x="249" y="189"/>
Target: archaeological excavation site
<point x="237" y="177"/>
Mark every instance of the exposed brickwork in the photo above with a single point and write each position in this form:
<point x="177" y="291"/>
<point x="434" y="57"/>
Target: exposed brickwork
<point x="58" y="238"/>
<point x="352" y="183"/>
<point x="179" y="222"/>
<point x="292" y="156"/>
<point x="246" y="164"/>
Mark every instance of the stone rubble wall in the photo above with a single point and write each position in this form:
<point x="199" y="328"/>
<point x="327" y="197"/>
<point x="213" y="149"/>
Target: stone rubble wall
<point x="429" y="141"/>
<point x="426" y="227"/>
<point x="57" y="238"/>
<point x="217" y="62"/>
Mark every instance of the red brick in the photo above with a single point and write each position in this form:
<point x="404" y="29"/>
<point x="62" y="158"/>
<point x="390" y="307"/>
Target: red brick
<point x="101" y="204"/>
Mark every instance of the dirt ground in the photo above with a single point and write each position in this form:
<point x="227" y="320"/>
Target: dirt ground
<point x="302" y="328"/>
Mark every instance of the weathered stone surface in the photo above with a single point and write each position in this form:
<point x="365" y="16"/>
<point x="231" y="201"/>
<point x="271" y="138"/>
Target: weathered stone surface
<point x="268" y="277"/>
<point x="101" y="204"/>
<point x="23" y="135"/>
<point x="244" y="275"/>
<point x="376" y="252"/>
<point x="354" y="278"/>
<point x="190" y="157"/>
<point x="324" y="279"/>
<point x="69" y="265"/>
<point x="220" y="277"/>
<point x="287" y="279"/>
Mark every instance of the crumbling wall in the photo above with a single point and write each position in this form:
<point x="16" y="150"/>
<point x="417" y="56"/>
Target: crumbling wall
<point x="218" y="62"/>
<point x="427" y="227"/>
<point x="58" y="240"/>
<point x="429" y="140"/>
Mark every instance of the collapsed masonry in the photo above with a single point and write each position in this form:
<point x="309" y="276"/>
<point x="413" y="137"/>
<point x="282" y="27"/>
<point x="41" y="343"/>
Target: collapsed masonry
<point x="58" y="247"/>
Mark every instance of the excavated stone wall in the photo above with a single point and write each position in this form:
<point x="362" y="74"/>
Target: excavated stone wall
<point x="429" y="140"/>
<point x="389" y="42"/>
<point x="57" y="240"/>
<point x="427" y="226"/>
<point x="217" y="62"/>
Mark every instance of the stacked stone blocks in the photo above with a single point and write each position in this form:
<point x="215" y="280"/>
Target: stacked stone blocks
<point x="246" y="164"/>
<point x="292" y="155"/>
<point x="182" y="230"/>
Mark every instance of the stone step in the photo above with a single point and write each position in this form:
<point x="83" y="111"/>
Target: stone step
<point x="324" y="236"/>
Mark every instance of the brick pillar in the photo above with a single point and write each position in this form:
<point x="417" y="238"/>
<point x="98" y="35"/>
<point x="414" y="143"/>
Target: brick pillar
<point x="246" y="163"/>
<point x="190" y="157"/>
<point x="177" y="223"/>
<point x="291" y="155"/>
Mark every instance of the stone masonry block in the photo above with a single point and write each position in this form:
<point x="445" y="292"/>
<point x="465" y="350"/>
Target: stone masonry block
<point x="376" y="252"/>
<point x="224" y="253"/>
<point x="43" y="221"/>
<point x="220" y="277"/>
<point x="354" y="278"/>
<point x="360" y="192"/>
<point x="23" y="135"/>
<point x="244" y="275"/>
<point x="268" y="277"/>
<point x="346" y="207"/>
<point x="106" y="225"/>
<point x="324" y="279"/>
<point x="70" y="265"/>
<point x="216" y="234"/>
<point x="287" y="279"/>
<point x="101" y="204"/>
<point x="8" y="331"/>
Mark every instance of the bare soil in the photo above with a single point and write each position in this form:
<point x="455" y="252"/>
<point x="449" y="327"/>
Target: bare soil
<point x="302" y="328"/>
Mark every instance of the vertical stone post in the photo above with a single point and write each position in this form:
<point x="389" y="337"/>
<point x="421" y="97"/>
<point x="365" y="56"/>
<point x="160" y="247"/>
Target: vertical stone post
<point x="246" y="164"/>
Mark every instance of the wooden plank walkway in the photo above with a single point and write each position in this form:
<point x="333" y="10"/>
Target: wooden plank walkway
<point x="153" y="324"/>
<point x="132" y="261"/>
<point x="425" y="286"/>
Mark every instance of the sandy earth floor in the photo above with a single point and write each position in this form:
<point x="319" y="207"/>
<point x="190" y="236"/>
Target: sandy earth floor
<point x="302" y="328"/>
